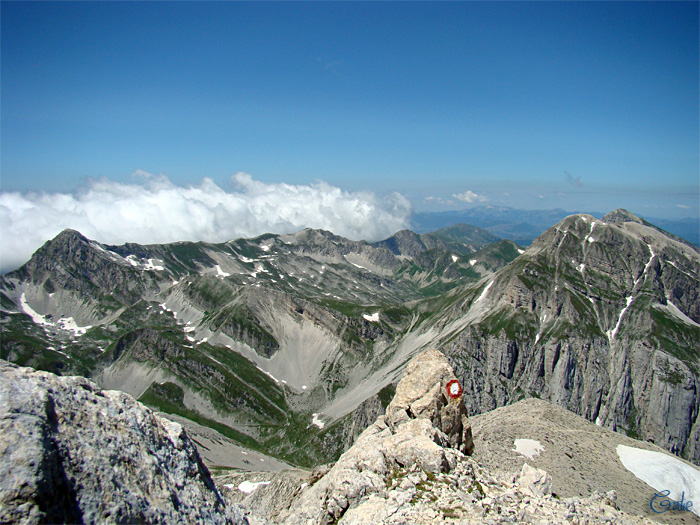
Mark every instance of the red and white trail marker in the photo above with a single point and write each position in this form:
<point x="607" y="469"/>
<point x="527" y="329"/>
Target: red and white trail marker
<point x="454" y="389"/>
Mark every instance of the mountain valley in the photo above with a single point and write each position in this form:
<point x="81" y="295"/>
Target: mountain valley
<point x="290" y="345"/>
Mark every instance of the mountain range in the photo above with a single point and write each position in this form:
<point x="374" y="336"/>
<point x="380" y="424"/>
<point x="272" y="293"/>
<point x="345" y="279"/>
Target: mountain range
<point x="523" y="226"/>
<point x="290" y="345"/>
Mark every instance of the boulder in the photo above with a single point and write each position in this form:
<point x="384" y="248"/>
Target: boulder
<point x="535" y="481"/>
<point x="422" y="394"/>
<point x="72" y="453"/>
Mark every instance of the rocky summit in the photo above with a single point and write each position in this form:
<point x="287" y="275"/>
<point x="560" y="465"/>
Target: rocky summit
<point x="72" y="453"/>
<point x="411" y="466"/>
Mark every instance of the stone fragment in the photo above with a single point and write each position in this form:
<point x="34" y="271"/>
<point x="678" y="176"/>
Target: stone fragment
<point x="535" y="481"/>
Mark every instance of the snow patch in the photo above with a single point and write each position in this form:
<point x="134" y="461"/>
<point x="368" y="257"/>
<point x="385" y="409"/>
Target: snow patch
<point x="67" y="324"/>
<point x="521" y="251"/>
<point x="528" y="447"/>
<point x="249" y="486"/>
<point x="663" y="472"/>
<point x="267" y="374"/>
<point x="150" y="265"/>
<point x="374" y="318"/>
<point x="483" y="293"/>
<point x="455" y="258"/>
<point x="220" y="272"/>
<point x="472" y="262"/>
<point x="36" y="317"/>
<point x="317" y="421"/>
<point x="358" y="265"/>
<point x="612" y="333"/>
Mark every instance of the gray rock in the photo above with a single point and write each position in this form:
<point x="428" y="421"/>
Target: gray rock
<point x="403" y="469"/>
<point x="70" y="452"/>
<point x="535" y="481"/>
<point x="422" y="394"/>
<point x="421" y="429"/>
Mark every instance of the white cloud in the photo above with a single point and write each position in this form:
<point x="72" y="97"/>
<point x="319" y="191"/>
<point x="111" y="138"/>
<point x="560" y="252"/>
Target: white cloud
<point x="469" y="196"/>
<point x="157" y="211"/>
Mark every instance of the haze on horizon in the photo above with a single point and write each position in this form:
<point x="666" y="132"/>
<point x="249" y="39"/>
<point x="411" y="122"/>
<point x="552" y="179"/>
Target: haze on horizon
<point x="156" y="122"/>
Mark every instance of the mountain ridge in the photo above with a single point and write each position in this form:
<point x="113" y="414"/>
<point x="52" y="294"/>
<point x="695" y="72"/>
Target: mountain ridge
<point x="286" y="336"/>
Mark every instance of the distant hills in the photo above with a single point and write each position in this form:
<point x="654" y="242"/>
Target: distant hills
<point x="523" y="226"/>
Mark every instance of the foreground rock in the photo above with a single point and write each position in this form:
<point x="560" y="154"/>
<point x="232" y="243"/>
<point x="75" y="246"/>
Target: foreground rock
<point x="411" y="435"/>
<point x="410" y="467"/>
<point x="71" y="453"/>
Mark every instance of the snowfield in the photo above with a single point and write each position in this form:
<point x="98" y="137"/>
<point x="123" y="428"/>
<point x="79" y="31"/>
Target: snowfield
<point x="663" y="472"/>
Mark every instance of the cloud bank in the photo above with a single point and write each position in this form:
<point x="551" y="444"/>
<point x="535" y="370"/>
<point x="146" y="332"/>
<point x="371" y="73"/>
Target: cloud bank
<point x="154" y="210"/>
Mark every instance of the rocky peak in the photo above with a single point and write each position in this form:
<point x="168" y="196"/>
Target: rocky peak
<point x="69" y="245"/>
<point x="422" y="394"/>
<point x="404" y="242"/>
<point x="68" y="236"/>
<point x="621" y="216"/>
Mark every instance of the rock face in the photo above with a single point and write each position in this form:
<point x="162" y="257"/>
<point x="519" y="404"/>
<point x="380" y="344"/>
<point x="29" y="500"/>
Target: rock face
<point x="72" y="453"/>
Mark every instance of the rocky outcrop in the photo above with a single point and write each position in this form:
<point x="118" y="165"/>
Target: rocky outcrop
<point x="421" y="394"/>
<point x="408" y="468"/>
<point x="421" y="430"/>
<point x="72" y="453"/>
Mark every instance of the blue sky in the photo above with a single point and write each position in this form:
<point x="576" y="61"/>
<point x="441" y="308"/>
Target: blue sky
<point x="584" y="106"/>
